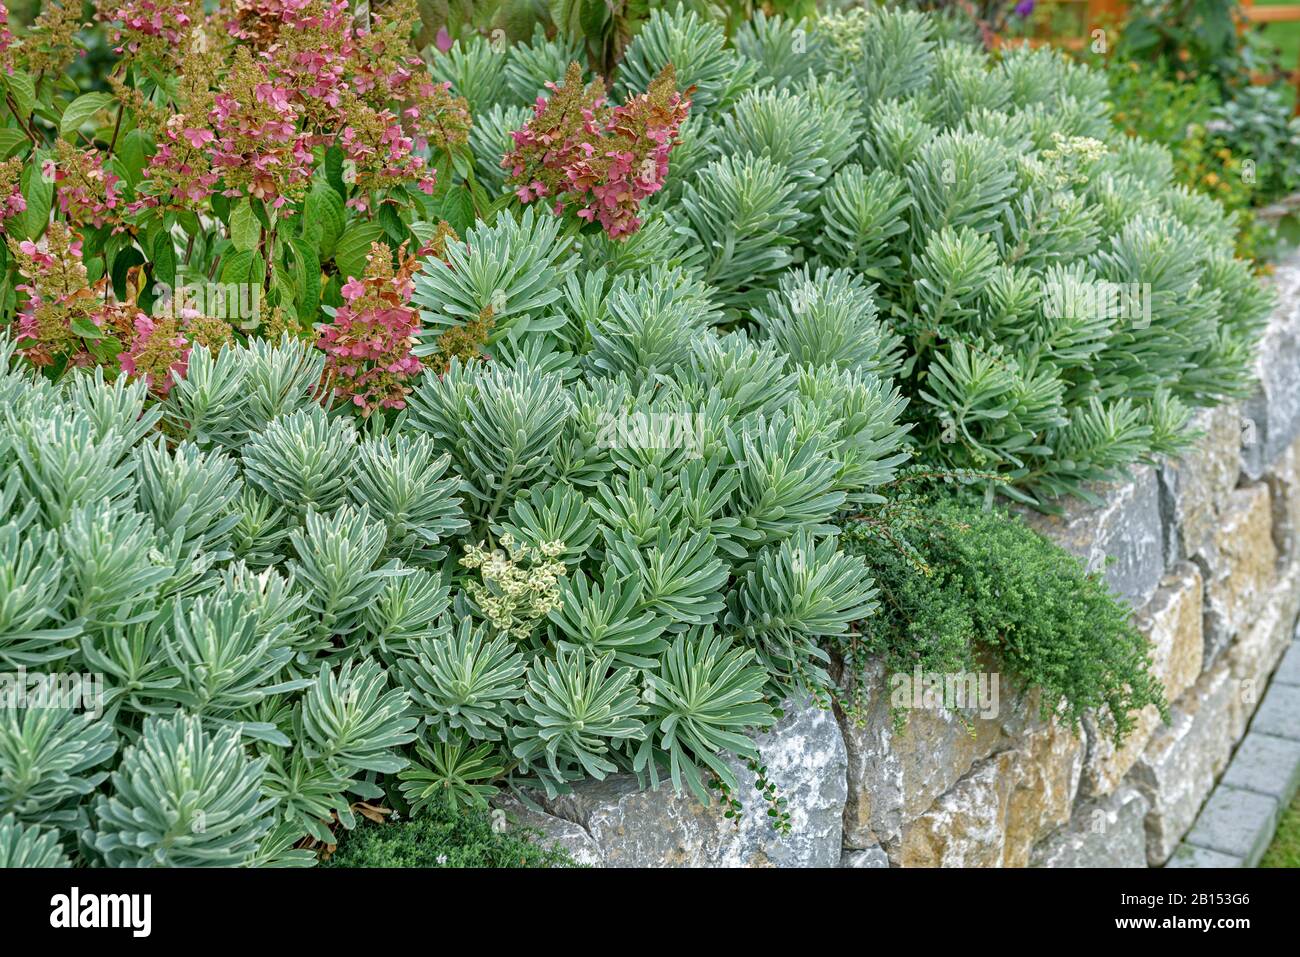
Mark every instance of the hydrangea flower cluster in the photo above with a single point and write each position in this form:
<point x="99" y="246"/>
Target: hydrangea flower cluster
<point x="11" y="196"/>
<point x="50" y="45"/>
<point x="383" y="156"/>
<point x="86" y="191"/>
<point x="578" y="151"/>
<point x="59" y="298"/>
<point x="180" y="172"/>
<point x="307" y="46"/>
<point x="254" y="138"/>
<point x="369" y="343"/>
<point x="150" y="27"/>
<point x="63" y="311"/>
<point x="6" y="41"/>
<point x="305" y="77"/>
<point x="386" y="75"/>
<point x="157" y="351"/>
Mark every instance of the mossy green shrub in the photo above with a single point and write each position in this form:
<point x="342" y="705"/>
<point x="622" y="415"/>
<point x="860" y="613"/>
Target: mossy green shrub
<point x="444" y="837"/>
<point x="957" y="578"/>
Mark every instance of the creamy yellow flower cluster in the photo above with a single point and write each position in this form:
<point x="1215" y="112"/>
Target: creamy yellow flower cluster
<point x="520" y="583"/>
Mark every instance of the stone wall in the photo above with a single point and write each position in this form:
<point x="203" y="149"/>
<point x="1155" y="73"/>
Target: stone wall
<point x="1207" y="549"/>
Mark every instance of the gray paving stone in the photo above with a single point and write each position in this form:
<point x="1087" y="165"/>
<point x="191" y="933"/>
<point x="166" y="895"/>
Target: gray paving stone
<point x="1188" y="856"/>
<point x="1266" y="764"/>
<point x="1280" y="712"/>
<point x="1288" y="672"/>
<point x="1236" y="822"/>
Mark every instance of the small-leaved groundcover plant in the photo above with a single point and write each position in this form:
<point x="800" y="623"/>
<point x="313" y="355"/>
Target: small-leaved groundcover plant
<point x="553" y="492"/>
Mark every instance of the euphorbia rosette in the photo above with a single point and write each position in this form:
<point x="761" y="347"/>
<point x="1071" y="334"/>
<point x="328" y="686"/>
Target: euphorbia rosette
<point x="370" y="340"/>
<point x="576" y="150"/>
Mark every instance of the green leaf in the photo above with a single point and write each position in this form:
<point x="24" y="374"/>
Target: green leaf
<point x="132" y="153"/>
<point x="241" y="266"/>
<point x="39" y="195"/>
<point x="123" y="262"/>
<point x="457" y="208"/>
<point x="354" y="245"/>
<point x="164" y="259"/>
<point x="324" y="218"/>
<point x="23" y="91"/>
<point x="334" y="171"/>
<point x="245" y="230"/>
<point x="594" y="16"/>
<point x="10" y="140"/>
<point x="81" y="110"/>
<point x="85" y="328"/>
<point x="306" y="269"/>
<point x="391" y="220"/>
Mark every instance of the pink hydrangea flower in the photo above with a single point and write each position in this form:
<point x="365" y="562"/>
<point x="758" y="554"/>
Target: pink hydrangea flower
<point x="370" y="341"/>
<point x="603" y="161"/>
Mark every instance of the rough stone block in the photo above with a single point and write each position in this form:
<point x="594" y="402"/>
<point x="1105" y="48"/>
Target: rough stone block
<point x="1171" y="620"/>
<point x="1283" y="480"/>
<point x="894" y="776"/>
<point x="805" y="759"/>
<point x="874" y="857"/>
<point x="1275" y="407"/>
<point x="1123" y="537"/>
<point x="1181" y="762"/>
<point x="1189" y="856"/>
<point x="1266" y="764"/>
<point x="1240" y="568"/>
<point x="1280" y="713"/>
<point x="1195" y="488"/>
<point x="996" y="814"/>
<point x="1236" y="822"/>
<point x="1257" y="650"/>
<point x="1107" y="832"/>
<point x="555" y="831"/>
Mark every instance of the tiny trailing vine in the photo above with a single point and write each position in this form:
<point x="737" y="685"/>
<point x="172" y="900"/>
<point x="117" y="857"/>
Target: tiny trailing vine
<point x="778" y="811"/>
